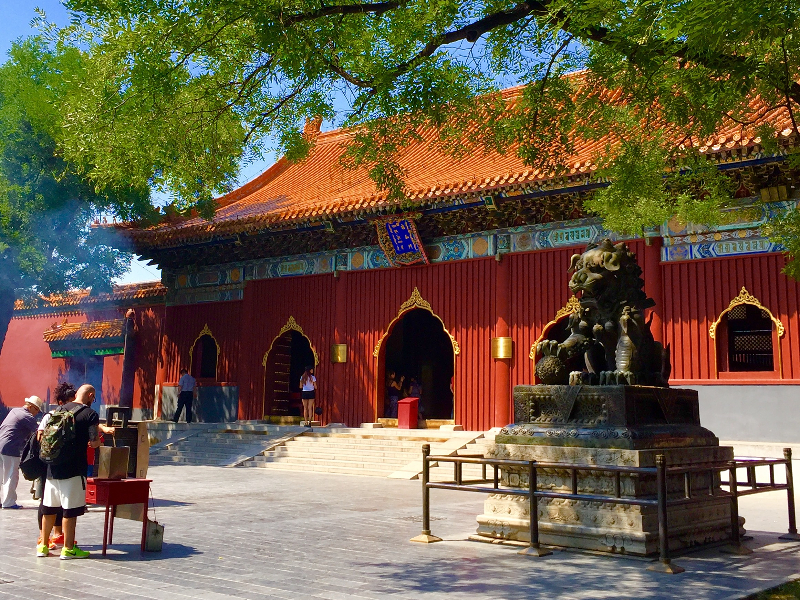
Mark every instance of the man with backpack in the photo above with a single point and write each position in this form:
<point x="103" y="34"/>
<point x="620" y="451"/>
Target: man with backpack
<point x="17" y="427"/>
<point x="63" y="447"/>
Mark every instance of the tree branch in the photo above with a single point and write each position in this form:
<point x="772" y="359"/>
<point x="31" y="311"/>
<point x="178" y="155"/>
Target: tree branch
<point x="376" y="8"/>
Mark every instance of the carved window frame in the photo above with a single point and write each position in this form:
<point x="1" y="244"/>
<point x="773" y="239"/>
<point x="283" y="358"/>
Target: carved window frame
<point x="778" y="331"/>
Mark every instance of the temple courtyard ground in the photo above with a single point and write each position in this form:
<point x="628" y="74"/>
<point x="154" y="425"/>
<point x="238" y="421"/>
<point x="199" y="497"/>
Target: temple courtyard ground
<point x="260" y="534"/>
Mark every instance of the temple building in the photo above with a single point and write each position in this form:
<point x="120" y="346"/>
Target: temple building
<point x="310" y="264"/>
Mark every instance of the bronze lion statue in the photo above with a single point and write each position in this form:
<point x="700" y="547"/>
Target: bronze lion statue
<point x="609" y="341"/>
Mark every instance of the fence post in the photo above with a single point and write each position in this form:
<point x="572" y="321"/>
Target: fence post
<point x="792" y="535"/>
<point x="425" y="537"/>
<point x="736" y="546"/>
<point x="664" y="564"/>
<point x="533" y="548"/>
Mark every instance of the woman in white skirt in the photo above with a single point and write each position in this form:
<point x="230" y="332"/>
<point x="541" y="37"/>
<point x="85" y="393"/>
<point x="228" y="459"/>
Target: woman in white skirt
<point x="308" y="389"/>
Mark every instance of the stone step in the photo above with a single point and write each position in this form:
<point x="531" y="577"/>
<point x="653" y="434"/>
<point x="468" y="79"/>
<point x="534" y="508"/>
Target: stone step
<point x="311" y="439"/>
<point x="337" y="469"/>
<point x="210" y="453"/>
<point x="199" y="442"/>
<point x="184" y="460"/>
<point x="345" y="454"/>
<point x="401" y="459"/>
<point x="410" y="435"/>
<point x="387" y="465"/>
<point x="352" y="447"/>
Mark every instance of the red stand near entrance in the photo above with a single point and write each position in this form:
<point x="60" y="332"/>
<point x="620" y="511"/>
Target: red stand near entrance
<point x="113" y="492"/>
<point x="407" y="413"/>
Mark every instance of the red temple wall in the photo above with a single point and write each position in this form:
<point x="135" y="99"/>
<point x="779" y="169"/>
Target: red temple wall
<point x="360" y="306"/>
<point x="696" y="292"/>
<point x="26" y="367"/>
<point x="182" y="326"/>
<point x="357" y="308"/>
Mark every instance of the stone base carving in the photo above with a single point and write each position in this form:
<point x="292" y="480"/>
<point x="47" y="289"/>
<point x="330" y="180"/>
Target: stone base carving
<point x="599" y="526"/>
<point x="608" y="416"/>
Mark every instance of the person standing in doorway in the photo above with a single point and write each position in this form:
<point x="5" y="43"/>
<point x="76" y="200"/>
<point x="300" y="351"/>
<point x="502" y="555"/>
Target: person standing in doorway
<point x="308" y="392"/>
<point x="17" y="427"/>
<point x="393" y="388"/>
<point x="187" y="388"/>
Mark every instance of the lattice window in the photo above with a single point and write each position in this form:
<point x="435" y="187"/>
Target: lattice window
<point x="750" y="339"/>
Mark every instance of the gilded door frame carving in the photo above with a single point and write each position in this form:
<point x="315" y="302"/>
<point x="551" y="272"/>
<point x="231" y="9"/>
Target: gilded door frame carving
<point x="415" y="301"/>
<point x="205" y="331"/>
<point x="573" y="305"/>
<point x="291" y="325"/>
<point x="746" y="297"/>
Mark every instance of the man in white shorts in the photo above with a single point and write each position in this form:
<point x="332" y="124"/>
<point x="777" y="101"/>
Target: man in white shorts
<point x="65" y="486"/>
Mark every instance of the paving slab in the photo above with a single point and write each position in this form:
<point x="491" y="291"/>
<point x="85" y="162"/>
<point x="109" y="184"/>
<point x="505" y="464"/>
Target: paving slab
<point x="274" y="535"/>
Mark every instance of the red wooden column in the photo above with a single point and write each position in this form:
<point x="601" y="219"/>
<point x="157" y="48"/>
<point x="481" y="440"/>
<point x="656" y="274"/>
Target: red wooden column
<point x="338" y="370"/>
<point x="502" y="366"/>
<point x="250" y="405"/>
<point x="161" y="369"/>
<point x="654" y="285"/>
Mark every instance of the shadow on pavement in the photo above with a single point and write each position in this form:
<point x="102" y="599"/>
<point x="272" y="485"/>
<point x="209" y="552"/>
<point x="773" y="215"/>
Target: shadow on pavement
<point x="132" y="552"/>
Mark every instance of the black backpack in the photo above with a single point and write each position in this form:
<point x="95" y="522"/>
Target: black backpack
<point x="30" y="464"/>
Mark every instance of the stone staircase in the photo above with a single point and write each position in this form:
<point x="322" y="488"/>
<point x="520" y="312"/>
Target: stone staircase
<point x="377" y="452"/>
<point x="222" y="445"/>
<point x="469" y="472"/>
<point x="395" y="453"/>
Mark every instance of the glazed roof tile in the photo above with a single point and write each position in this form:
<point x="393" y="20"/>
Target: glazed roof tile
<point x="320" y="187"/>
<point x="83" y="298"/>
<point x="93" y="330"/>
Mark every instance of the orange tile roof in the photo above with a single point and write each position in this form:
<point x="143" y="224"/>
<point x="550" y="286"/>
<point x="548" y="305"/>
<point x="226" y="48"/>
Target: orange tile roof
<point x="80" y="298"/>
<point x="93" y="330"/>
<point x="321" y="188"/>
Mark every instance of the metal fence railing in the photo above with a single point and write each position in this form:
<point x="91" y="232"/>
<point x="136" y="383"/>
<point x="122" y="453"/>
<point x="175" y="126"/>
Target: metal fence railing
<point x="662" y="500"/>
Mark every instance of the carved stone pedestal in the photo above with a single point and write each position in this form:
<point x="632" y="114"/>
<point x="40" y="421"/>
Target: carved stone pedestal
<point x="606" y="425"/>
<point x="600" y="526"/>
<point x="606" y="416"/>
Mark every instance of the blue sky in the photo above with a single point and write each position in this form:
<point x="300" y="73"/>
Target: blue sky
<point x="15" y="22"/>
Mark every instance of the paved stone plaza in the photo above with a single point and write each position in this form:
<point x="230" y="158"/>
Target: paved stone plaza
<point x="258" y="534"/>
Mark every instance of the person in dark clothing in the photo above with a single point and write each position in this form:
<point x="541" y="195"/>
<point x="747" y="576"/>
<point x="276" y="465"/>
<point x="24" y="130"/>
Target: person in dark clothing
<point x="393" y="388"/>
<point x="65" y="486"/>
<point x="187" y="388"/>
<point x="64" y="392"/>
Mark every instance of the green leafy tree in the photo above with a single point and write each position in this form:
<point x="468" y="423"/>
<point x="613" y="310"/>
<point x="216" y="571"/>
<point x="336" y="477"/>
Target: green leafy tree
<point x="47" y="207"/>
<point x="182" y="92"/>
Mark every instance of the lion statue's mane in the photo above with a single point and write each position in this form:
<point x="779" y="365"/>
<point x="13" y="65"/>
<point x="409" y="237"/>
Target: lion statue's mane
<point x="609" y="341"/>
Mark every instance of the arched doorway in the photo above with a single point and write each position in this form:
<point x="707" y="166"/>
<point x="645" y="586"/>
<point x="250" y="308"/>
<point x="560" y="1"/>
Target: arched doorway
<point x="204" y="358"/>
<point x="284" y="363"/>
<point x="418" y="346"/>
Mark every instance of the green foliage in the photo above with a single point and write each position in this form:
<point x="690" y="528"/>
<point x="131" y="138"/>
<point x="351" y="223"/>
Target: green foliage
<point x="46" y="204"/>
<point x="179" y="93"/>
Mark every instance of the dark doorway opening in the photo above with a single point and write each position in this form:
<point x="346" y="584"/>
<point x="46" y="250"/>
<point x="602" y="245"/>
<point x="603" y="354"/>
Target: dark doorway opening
<point x="204" y="358"/>
<point x="419" y="347"/>
<point x="87" y="369"/>
<point x="290" y="354"/>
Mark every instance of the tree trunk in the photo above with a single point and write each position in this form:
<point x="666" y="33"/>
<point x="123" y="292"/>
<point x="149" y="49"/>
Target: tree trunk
<point x="7" y="298"/>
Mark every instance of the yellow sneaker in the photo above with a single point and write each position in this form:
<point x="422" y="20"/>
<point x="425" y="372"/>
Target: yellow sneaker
<point x="74" y="552"/>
